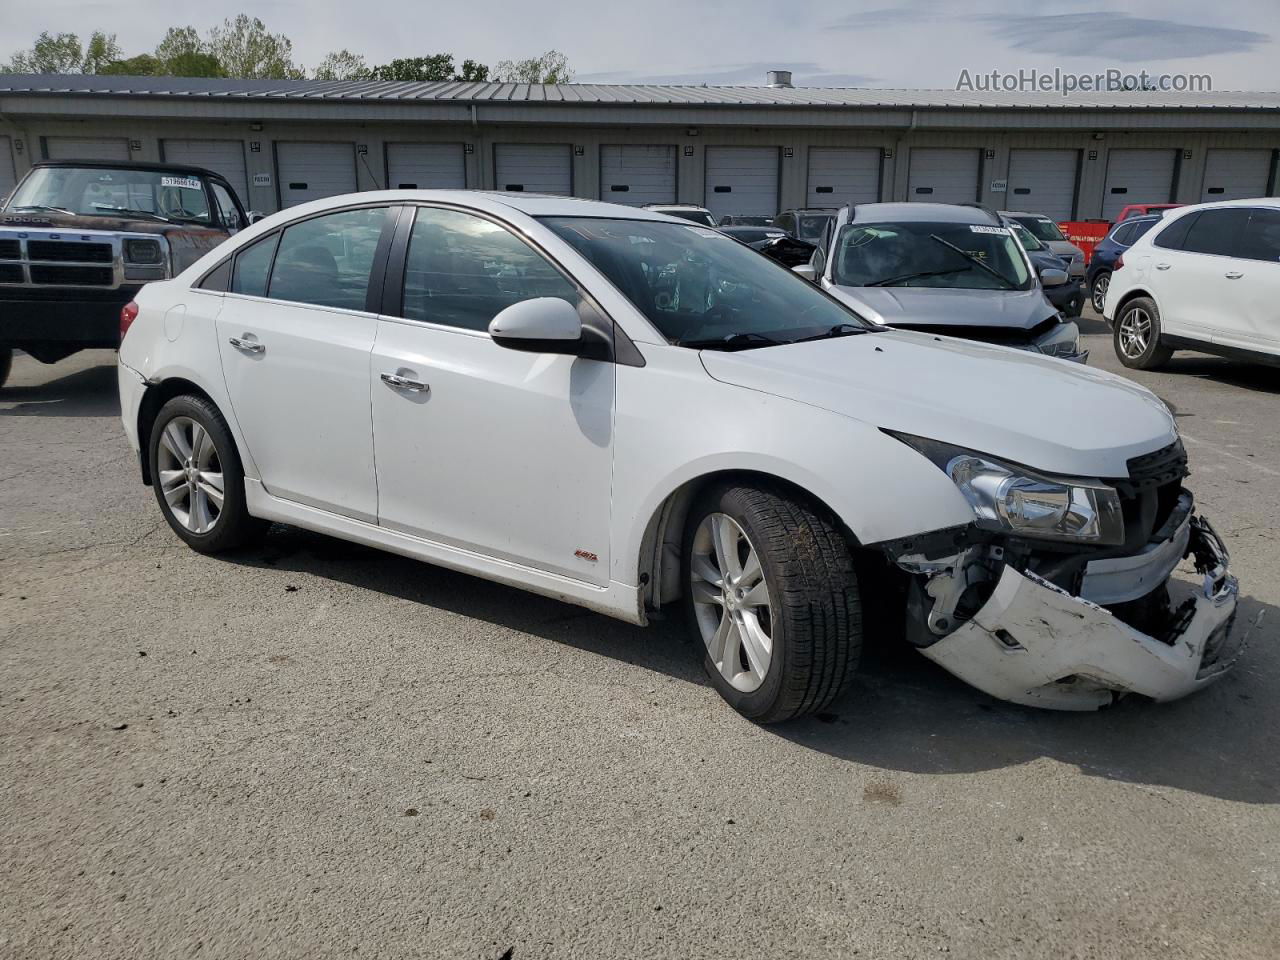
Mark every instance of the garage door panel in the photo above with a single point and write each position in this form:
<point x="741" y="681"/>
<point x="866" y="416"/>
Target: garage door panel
<point x="312" y="171"/>
<point x="426" y="166"/>
<point x="1236" y="174"/>
<point x="943" y="175"/>
<point x="86" y="148"/>
<point x="636" y="174"/>
<point x="1137" y="176"/>
<point x="840" y="175"/>
<point x="8" y="170"/>
<point x="534" y="168"/>
<point x="1043" y="181"/>
<point x="221" y="156"/>
<point x="742" y="181"/>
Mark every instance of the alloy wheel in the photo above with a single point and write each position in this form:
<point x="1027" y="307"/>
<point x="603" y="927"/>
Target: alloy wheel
<point x="1135" y="333"/>
<point x="1100" y="287"/>
<point x="190" y="474"/>
<point x="731" y="602"/>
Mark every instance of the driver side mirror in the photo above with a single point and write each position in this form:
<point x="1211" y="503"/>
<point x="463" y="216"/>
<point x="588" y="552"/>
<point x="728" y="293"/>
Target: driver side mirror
<point x="1052" y="277"/>
<point x="547" y="325"/>
<point x="807" y="271"/>
<point x="255" y="216"/>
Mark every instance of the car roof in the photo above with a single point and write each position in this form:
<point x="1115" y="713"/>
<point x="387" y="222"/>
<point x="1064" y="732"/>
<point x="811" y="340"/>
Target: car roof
<point x="1023" y="213"/>
<point x="1182" y="209"/>
<point x="130" y="165"/>
<point x="669" y="206"/>
<point x="493" y="201"/>
<point x="920" y="212"/>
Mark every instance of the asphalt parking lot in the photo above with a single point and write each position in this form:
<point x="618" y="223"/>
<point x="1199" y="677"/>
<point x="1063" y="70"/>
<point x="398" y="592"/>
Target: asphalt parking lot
<point x="313" y="749"/>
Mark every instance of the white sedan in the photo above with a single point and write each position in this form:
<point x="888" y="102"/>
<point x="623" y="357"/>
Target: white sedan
<point x="629" y="412"/>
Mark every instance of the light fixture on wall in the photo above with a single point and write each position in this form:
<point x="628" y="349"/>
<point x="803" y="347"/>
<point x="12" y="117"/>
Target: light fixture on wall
<point x="256" y="125"/>
<point x="1099" y="136"/>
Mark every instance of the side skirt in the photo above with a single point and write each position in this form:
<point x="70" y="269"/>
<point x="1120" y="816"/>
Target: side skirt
<point x="1220" y="350"/>
<point x="616" y="600"/>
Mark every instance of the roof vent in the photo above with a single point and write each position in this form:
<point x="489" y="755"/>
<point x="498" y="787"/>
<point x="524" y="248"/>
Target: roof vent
<point x="779" y="78"/>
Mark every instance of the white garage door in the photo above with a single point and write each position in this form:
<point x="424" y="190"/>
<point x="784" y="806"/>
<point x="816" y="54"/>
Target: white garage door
<point x="311" y="171"/>
<point x="840" y="175"/>
<point x="1043" y="181"/>
<point x="82" y="148"/>
<point x="943" y="175"/>
<point x="742" y="181"/>
<point x="636" y="174"/>
<point x="1236" y="174"/>
<point x="426" y="166"/>
<point x="534" y="168"/>
<point x="8" y="173"/>
<point x="221" y="156"/>
<point x="1137" y="176"/>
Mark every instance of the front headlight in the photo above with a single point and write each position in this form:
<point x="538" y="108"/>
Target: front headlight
<point x="1061" y="341"/>
<point x="141" y="250"/>
<point x="1016" y="500"/>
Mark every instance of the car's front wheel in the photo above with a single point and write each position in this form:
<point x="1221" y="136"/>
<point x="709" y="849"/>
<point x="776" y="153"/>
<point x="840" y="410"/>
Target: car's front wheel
<point x="773" y="599"/>
<point x="1098" y="289"/>
<point x="197" y="476"/>
<point x="1137" y="335"/>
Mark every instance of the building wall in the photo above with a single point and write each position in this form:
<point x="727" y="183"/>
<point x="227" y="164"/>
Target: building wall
<point x="147" y="133"/>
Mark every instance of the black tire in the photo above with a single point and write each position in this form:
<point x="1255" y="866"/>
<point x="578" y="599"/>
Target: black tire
<point x="1139" y="314"/>
<point x="6" y="364"/>
<point x="233" y="526"/>
<point x="816" y="613"/>
<point x="1098" y="289"/>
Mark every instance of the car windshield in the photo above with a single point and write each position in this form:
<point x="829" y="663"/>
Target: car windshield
<point x="926" y="254"/>
<point x="1041" y="227"/>
<point x="811" y="227"/>
<point x="110" y="192"/>
<point x="1026" y="237"/>
<point x="701" y="289"/>
<point x="696" y="216"/>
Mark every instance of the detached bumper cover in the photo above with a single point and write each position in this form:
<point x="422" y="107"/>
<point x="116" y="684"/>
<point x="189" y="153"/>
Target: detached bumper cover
<point x="1035" y="644"/>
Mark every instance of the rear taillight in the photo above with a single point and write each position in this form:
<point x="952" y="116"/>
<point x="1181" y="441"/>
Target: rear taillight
<point x="128" y="313"/>
<point x="1119" y="264"/>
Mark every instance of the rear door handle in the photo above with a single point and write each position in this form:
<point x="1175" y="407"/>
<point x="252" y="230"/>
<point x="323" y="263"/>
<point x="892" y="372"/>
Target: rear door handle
<point x="404" y="383"/>
<point x="249" y="346"/>
<point x="1163" y="266"/>
<point x="1233" y="274"/>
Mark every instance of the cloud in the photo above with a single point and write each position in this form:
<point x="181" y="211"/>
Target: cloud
<point x="884" y="17"/>
<point x="736" y="74"/>
<point x="1120" y="36"/>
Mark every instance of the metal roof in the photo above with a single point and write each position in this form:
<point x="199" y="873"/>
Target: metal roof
<point x="384" y="91"/>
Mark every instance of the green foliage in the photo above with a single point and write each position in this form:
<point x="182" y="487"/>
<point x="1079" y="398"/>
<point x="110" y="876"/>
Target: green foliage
<point x="551" y="67"/>
<point x="245" y="48"/>
<point x="438" y="66"/>
<point x="62" y="53"/>
<point x="473" y="71"/>
<point x="143" y="65"/>
<point x="342" y="65"/>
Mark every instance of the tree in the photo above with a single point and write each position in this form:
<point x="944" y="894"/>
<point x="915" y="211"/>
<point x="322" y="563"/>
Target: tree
<point x="143" y="65"/>
<point x="183" y="54"/>
<point x="342" y="65"/>
<point x="438" y="66"/>
<point x="551" y="67"/>
<point x="473" y="72"/>
<point x="245" y="49"/>
<point x="62" y="53"/>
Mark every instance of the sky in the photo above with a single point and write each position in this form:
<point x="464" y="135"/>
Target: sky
<point x="911" y="44"/>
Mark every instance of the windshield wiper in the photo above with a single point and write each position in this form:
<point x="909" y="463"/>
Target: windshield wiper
<point x="978" y="260"/>
<point x="43" y="206"/>
<point x="132" y="212"/>
<point x="890" y="281"/>
<point x="742" y="341"/>
<point x="839" y="330"/>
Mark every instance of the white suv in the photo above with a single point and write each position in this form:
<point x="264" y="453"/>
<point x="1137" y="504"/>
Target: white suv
<point x="1207" y="278"/>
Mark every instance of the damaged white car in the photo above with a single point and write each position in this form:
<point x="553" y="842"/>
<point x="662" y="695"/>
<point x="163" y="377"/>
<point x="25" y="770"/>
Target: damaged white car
<point x="631" y="412"/>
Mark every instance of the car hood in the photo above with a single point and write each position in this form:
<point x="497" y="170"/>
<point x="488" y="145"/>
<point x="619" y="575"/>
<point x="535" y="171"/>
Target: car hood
<point x="948" y="307"/>
<point x="1063" y="248"/>
<point x="1051" y="415"/>
<point x="42" y="220"/>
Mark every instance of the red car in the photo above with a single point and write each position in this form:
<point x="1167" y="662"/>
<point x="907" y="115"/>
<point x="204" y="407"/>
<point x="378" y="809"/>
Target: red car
<point x="1139" y="209"/>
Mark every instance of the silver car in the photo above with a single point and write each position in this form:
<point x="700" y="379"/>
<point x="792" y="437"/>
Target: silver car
<point x="1049" y="233"/>
<point x="945" y="269"/>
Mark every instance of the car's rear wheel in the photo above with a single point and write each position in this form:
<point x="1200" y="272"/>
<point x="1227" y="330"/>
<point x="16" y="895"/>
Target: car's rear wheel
<point x="1137" y="335"/>
<point x="197" y="476"/>
<point x="1098" y="290"/>
<point x="6" y="363"/>
<point x="773" y="601"/>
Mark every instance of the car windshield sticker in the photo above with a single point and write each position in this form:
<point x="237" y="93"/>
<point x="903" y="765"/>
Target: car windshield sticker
<point x="998" y="231"/>
<point x="186" y="183"/>
<point x="708" y="232"/>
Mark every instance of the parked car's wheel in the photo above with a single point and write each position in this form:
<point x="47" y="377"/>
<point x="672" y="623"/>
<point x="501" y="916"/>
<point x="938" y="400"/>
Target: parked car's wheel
<point x="6" y="363"/>
<point x="773" y="600"/>
<point x="197" y="476"/>
<point x="1137" y="335"/>
<point x="1098" y="290"/>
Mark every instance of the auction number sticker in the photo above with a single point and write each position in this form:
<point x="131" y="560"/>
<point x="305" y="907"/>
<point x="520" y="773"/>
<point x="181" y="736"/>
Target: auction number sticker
<point x="998" y="231"/>
<point x="186" y="183"/>
<point x="708" y="232"/>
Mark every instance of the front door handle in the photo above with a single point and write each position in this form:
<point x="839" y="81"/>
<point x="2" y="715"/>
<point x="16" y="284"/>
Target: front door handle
<point x="404" y="383"/>
<point x="1233" y="274"/>
<point x="1163" y="266"/>
<point x="249" y="346"/>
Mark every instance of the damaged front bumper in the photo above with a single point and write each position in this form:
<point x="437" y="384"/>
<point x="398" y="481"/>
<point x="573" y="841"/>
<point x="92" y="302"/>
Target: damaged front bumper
<point x="1034" y="643"/>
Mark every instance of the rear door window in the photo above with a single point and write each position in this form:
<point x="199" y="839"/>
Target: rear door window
<point x="1216" y="231"/>
<point x="1261" y="240"/>
<point x="326" y="260"/>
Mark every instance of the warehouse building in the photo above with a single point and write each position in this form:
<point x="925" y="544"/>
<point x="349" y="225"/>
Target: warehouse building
<point x="737" y="150"/>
